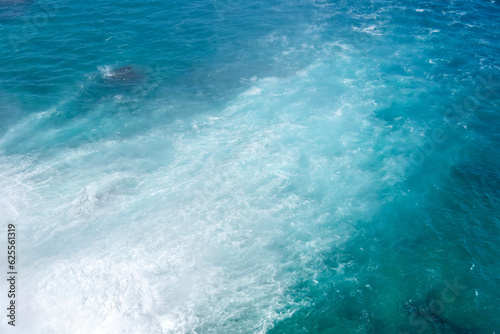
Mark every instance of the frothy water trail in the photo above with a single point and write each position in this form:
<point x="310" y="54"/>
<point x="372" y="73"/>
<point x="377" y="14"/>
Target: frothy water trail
<point x="220" y="214"/>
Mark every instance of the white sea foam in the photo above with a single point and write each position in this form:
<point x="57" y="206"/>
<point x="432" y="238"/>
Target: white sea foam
<point x="213" y="236"/>
<point x="105" y="70"/>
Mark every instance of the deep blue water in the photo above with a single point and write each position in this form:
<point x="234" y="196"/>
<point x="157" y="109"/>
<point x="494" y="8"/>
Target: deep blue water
<point x="229" y="166"/>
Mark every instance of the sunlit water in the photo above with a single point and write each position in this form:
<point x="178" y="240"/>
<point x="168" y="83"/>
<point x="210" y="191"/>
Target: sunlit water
<point x="252" y="166"/>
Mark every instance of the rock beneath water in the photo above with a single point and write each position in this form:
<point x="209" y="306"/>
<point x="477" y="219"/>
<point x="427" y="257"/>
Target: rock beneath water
<point x="128" y="74"/>
<point x="423" y="319"/>
<point x="14" y="2"/>
<point x="11" y="9"/>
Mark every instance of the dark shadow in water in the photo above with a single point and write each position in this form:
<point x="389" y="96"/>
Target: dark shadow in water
<point x="424" y="320"/>
<point x="120" y="92"/>
<point x="11" y="9"/>
<point x="124" y="85"/>
<point x="126" y="74"/>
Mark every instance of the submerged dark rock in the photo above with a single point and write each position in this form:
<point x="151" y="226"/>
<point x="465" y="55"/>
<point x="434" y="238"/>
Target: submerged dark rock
<point x="11" y="9"/>
<point x="14" y="2"/>
<point x="426" y="317"/>
<point x="128" y="74"/>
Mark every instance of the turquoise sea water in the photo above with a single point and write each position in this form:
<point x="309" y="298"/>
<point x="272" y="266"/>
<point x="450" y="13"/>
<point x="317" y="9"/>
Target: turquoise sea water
<point x="229" y="166"/>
